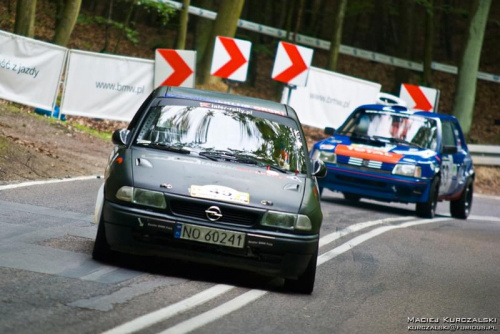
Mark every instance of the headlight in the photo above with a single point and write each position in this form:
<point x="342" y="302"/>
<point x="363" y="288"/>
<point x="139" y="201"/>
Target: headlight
<point x="287" y="221"/>
<point x="407" y="170"/>
<point x="325" y="156"/>
<point x="145" y="197"/>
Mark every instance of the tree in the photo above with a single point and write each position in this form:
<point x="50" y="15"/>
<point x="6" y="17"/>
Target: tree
<point x="25" y="18"/>
<point x="183" y="25"/>
<point x="128" y="17"/>
<point x="203" y="29"/>
<point x="333" y="54"/>
<point x="67" y="22"/>
<point x="465" y="92"/>
<point x="225" y="25"/>
<point x="405" y="40"/>
<point x="429" y="41"/>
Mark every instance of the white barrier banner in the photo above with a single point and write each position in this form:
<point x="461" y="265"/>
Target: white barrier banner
<point x="106" y="86"/>
<point x="330" y="97"/>
<point x="30" y="70"/>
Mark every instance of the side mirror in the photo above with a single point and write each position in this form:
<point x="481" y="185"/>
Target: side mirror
<point x="319" y="168"/>
<point x="449" y="149"/>
<point x="120" y="137"/>
<point x="329" y="131"/>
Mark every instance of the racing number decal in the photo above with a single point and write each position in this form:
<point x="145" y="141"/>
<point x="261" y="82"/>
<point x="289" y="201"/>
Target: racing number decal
<point x="446" y="174"/>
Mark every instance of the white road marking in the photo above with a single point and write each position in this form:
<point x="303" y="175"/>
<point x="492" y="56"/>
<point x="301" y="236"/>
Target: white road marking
<point x="485" y="218"/>
<point x="364" y="237"/>
<point x="36" y="183"/>
<point x="236" y="303"/>
<point x="356" y="227"/>
<point x="252" y="295"/>
<point x="216" y="313"/>
<point x="99" y="273"/>
<point x="171" y="310"/>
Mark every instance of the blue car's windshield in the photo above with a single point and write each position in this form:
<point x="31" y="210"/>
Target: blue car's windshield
<point x="391" y="127"/>
<point x="214" y="134"/>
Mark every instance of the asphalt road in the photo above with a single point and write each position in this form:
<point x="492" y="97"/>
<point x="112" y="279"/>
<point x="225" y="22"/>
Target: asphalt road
<point x="380" y="270"/>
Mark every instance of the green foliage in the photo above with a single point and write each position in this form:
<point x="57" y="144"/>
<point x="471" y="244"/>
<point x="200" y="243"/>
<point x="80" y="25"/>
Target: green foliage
<point x="163" y="10"/>
<point x="130" y="34"/>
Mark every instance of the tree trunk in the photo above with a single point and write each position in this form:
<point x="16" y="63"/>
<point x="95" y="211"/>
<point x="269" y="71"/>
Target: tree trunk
<point x="25" y="18"/>
<point x="225" y="25"/>
<point x="289" y="18"/>
<point x="67" y="23"/>
<point x="333" y="54"/>
<point x="203" y="29"/>
<point x="108" y="28"/>
<point x="465" y="92"/>
<point x="298" y="20"/>
<point x="59" y="11"/>
<point x="183" y="25"/>
<point x="405" y="41"/>
<point x="125" y="24"/>
<point x="429" y="43"/>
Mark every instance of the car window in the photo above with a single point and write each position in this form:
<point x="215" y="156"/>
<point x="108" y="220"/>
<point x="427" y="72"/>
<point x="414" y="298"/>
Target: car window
<point x="202" y="129"/>
<point x="449" y="138"/>
<point x="416" y="130"/>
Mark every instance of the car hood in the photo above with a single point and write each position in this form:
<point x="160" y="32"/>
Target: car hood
<point x="388" y="153"/>
<point x="192" y="176"/>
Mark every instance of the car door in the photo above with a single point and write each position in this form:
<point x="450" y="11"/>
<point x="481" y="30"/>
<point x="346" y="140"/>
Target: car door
<point x="453" y="156"/>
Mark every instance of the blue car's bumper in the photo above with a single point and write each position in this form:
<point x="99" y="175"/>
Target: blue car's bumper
<point x="376" y="185"/>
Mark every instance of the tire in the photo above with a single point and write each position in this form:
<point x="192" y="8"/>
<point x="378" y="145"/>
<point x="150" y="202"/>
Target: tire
<point x="353" y="198"/>
<point x="427" y="209"/>
<point x="304" y="283"/>
<point x="101" y="252"/>
<point x="461" y="207"/>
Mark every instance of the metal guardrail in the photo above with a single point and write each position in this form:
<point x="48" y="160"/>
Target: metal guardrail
<point x="485" y="155"/>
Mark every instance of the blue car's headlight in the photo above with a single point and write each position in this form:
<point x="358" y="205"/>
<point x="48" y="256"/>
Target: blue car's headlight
<point x="407" y="170"/>
<point x="287" y="221"/>
<point x="139" y="196"/>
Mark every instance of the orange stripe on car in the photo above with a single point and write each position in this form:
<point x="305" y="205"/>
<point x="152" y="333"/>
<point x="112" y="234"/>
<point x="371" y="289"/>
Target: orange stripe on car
<point x="368" y="153"/>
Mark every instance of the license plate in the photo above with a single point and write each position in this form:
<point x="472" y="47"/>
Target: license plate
<point x="209" y="235"/>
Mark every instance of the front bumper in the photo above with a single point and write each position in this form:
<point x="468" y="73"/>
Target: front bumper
<point x="141" y="232"/>
<point x="376" y="185"/>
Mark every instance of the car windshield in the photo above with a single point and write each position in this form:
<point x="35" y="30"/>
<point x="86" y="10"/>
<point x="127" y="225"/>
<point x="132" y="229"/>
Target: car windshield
<point x="226" y="135"/>
<point x="393" y="128"/>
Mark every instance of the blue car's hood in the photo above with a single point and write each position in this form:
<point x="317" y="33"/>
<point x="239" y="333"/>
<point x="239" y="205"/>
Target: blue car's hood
<point x="388" y="153"/>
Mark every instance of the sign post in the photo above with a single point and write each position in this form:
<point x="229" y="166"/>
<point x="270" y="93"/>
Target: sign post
<point x="174" y="68"/>
<point x="291" y="65"/>
<point x="230" y="59"/>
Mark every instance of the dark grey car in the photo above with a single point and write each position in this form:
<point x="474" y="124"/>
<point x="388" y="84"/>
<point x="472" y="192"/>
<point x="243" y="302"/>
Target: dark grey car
<point x="213" y="178"/>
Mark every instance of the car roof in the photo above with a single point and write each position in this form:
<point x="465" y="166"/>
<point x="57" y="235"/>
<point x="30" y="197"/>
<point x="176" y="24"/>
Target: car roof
<point x="226" y="99"/>
<point x="405" y="110"/>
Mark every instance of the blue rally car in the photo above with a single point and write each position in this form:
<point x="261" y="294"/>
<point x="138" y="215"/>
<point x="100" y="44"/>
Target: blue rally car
<point x="392" y="154"/>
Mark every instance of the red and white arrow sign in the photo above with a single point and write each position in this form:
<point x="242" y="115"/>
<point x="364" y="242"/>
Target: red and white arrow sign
<point x="230" y="59"/>
<point x="174" y="68"/>
<point x="292" y="63"/>
<point x="418" y="97"/>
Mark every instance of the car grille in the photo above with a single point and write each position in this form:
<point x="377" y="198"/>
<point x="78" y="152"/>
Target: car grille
<point x="229" y="215"/>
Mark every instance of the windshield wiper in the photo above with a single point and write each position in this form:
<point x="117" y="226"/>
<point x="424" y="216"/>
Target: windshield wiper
<point x="241" y="158"/>
<point x="404" y="142"/>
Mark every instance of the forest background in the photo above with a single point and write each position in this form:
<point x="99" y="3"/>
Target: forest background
<point x="415" y="30"/>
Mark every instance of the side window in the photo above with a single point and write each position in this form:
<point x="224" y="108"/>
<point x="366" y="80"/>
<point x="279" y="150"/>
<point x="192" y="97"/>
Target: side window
<point x="449" y="138"/>
<point x="456" y="131"/>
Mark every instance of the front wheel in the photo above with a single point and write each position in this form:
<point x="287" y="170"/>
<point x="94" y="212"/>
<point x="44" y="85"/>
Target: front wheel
<point x="427" y="209"/>
<point x="305" y="282"/>
<point x="460" y="208"/>
<point x="353" y="198"/>
<point x="102" y="251"/>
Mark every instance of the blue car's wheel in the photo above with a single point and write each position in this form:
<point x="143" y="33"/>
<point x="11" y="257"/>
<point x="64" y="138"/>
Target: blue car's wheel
<point x="460" y="208"/>
<point x="427" y="209"/>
